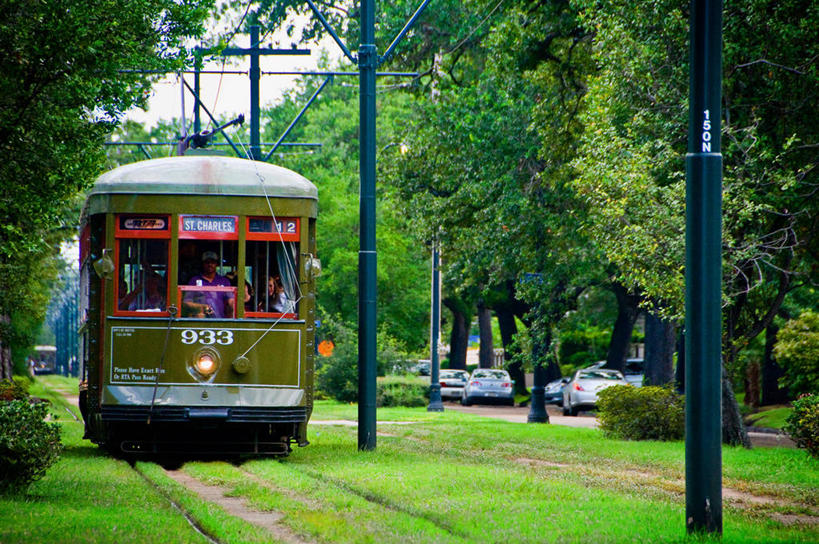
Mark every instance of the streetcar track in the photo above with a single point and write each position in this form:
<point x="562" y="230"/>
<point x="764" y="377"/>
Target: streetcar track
<point x="386" y="503"/>
<point x="187" y="515"/>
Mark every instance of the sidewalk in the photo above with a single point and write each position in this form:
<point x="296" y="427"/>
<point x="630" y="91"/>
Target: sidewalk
<point x="763" y="438"/>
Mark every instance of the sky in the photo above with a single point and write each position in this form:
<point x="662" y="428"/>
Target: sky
<point x="229" y="95"/>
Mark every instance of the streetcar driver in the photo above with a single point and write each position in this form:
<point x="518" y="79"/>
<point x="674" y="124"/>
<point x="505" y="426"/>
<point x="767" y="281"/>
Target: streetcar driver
<point x="208" y="303"/>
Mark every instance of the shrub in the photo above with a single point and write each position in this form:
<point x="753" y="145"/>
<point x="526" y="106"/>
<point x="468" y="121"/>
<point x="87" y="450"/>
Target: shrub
<point x="28" y="445"/>
<point x="401" y="391"/>
<point x="337" y="375"/>
<point x="641" y="413"/>
<point x="797" y="351"/>
<point x="803" y="423"/>
<point x="13" y="390"/>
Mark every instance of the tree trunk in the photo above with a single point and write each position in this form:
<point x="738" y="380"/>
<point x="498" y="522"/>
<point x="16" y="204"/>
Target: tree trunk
<point x="733" y="429"/>
<point x="660" y="344"/>
<point x="752" y="374"/>
<point x="771" y="371"/>
<point x="486" y="355"/>
<point x="458" y="338"/>
<point x="508" y="330"/>
<point x="627" y="310"/>
<point x="6" y="369"/>
<point x="679" y="373"/>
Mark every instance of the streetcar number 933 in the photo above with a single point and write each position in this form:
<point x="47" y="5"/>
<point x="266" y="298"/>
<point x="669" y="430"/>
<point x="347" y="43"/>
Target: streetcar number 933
<point x="207" y="337"/>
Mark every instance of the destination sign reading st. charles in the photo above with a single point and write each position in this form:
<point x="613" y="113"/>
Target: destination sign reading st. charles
<point x="208" y="223"/>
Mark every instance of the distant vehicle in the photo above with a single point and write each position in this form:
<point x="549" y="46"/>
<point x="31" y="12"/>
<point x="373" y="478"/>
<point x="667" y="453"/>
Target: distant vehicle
<point x="582" y="389"/>
<point x="453" y="383"/>
<point x="490" y="385"/>
<point x="634" y="371"/>
<point x="422" y="368"/>
<point x="554" y="391"/>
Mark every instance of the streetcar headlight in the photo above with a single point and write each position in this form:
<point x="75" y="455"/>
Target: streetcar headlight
<point x="205" y="364"/>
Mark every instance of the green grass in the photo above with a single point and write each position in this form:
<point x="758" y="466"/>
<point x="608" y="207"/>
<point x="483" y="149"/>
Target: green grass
<point x="773" y="417"/>
<point x="445" y="477"/>
<point x="88" y="497"/>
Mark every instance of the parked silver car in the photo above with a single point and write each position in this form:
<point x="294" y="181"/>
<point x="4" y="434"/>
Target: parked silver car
<point x="489" y="385"/>
<point x="586" y="383"/>
<point x="453" y="383"/>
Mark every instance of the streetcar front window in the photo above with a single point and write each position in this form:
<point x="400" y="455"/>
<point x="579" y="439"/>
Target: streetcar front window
<point x="271" y="270"/>
<point x="208" y="278"/>
<point x="142" y="275"/>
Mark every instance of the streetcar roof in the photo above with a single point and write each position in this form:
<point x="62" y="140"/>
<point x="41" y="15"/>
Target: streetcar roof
<point x="205" y="175"/>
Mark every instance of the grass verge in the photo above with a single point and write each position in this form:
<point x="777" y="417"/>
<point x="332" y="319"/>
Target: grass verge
<point x="443" y="477"/>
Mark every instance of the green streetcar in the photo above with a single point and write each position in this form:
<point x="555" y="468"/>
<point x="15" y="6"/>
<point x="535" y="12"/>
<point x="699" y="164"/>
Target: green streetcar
<point x="198" y="307"/>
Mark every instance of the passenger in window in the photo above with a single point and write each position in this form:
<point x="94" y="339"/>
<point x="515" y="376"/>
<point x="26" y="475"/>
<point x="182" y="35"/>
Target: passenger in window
<point x="248" y="297"/>
<point x="276" y="300"/>
<point x="210" y="303"/>
<point x="146" y="295"/>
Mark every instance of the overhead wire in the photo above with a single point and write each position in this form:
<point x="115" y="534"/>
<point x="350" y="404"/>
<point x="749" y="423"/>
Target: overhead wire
<point x="288" y="257"/>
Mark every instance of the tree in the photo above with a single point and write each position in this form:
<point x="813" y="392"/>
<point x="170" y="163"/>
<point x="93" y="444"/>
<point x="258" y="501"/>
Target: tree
<point x="61" y="92"/>
<point x="797" y="350"/>
<point x="630" y="165"/>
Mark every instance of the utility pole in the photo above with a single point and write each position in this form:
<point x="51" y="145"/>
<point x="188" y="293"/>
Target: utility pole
<point x="435" y="403"/>
<point x="703" y="274"/>
<point x="367" y="264"/>
<point x="255" y="52"/>
<point x="368" y="62"/>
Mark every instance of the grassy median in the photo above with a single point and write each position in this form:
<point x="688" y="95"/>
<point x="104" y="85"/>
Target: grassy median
<point x="434" y="477"/>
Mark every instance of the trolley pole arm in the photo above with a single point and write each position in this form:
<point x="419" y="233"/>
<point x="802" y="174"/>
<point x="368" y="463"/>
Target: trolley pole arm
<point x="297" y="119"/>
<point x="391" y="49"/>
<point x="332" y="32"/>
<point x="213" y="119"/>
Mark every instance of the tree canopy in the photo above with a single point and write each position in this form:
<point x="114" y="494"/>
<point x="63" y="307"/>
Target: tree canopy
<point x="62" y="90"/>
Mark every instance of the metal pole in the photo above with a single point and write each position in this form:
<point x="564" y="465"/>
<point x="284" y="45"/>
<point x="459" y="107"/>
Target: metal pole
<point x="703" y="409"/>
<point x="435" y="403"/>
<point x="367" y="262"/>
<point x="255" y="76"/>
<point x="537" y="404"/>
<point x="197" y="121"/>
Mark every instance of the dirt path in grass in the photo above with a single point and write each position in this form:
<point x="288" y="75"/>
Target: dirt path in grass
<point x="676" y="487"/>
<point x="239" y="508"/>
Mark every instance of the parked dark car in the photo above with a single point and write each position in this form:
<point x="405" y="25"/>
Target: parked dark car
<point x="634" y="371"/>
<point x="554" y="391"/>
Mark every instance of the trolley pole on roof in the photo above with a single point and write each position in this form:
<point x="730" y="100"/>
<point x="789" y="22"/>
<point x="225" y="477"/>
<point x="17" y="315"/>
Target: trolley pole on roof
<point x="703" y="275"/>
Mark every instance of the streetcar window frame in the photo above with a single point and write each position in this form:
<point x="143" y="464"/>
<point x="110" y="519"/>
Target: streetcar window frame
<point x="152" y="232"/>
<point x="259" y="230"/>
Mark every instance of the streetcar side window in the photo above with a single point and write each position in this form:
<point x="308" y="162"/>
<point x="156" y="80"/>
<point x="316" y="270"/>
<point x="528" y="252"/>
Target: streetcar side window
<point x="271" y="267"/>
<point x="142" y="275"/>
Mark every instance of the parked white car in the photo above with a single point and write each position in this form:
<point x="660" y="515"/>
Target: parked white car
<point x="453" y="383"/>
<point x="581" y="391"/>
